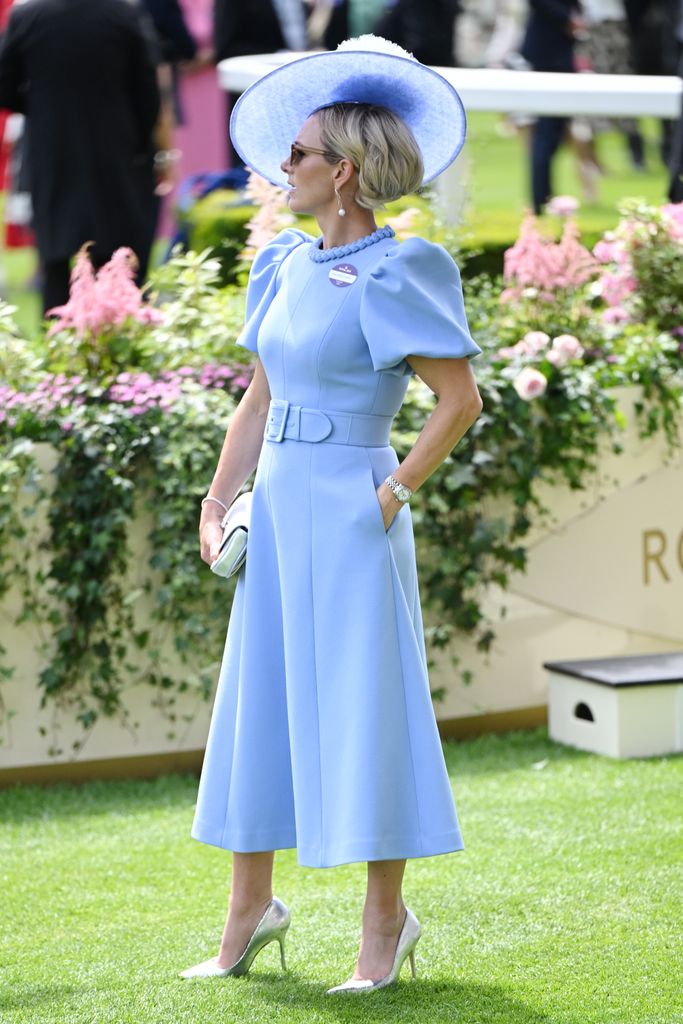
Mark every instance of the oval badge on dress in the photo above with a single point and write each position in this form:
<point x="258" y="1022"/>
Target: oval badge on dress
<point x="343" y="274"/>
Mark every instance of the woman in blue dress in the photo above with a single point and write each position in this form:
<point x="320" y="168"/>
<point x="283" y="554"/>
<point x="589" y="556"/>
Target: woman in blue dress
<point x="323" y="736"/>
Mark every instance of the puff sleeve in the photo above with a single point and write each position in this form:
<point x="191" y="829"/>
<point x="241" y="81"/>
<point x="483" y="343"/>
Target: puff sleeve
<point x="263" y="282"/>
<point x="412" y="304"/>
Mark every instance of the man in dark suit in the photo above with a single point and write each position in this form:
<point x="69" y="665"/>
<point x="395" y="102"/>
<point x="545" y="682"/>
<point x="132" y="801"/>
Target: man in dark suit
<point x="83" y="74"/>
<point x="549" y="46"/>
<point x="423" y="27"/>
<point x="256" y="26"/>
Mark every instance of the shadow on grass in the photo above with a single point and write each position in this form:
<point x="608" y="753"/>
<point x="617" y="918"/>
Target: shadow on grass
<point x="413" y="1000"/>
<point x="509" y="751"/>
<point x="464" y="758"/>
<point x="89" y="799"/>
<point x="28" y="997"/>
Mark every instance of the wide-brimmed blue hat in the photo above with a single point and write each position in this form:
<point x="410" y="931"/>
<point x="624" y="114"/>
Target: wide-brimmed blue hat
<point x="369" y="69"/>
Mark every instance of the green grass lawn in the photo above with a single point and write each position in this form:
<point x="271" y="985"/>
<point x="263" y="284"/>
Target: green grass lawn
<point x="499" y="179"/>
<point x="565" y="907"/>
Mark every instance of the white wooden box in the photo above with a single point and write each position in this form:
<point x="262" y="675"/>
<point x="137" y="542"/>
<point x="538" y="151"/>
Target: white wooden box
<point x="621" y="707"/>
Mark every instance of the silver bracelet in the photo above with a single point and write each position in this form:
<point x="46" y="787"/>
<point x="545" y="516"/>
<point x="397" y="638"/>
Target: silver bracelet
<point x="218" y="501"/>
<point x="401" y="491"/>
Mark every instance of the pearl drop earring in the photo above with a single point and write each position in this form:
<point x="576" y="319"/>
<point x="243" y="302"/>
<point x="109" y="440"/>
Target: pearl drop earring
<point x="341" y="211"/>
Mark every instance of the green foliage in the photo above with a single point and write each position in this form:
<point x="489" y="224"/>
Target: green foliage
<point x="137" y="430"/>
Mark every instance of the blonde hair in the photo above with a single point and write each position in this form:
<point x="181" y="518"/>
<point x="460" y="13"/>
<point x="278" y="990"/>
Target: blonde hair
<point x="380" y="145"/>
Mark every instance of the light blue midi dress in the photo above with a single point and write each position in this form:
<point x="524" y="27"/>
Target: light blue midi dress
<point x="323" y="735"/>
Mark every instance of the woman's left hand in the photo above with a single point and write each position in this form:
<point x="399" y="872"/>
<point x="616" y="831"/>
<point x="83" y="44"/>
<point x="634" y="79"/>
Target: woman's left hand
<point x="388" y="504"/>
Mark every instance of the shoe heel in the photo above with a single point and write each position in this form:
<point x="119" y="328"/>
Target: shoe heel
<point x="412" y="962"/>
<point x="281" y="940"/>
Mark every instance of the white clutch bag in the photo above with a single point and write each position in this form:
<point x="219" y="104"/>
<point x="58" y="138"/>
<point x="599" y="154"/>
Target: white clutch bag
<point x="233" y="550"/>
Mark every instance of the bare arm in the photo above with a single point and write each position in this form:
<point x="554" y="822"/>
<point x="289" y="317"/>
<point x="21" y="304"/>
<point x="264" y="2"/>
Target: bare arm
<point x="238" y="458"/>
<point x="458" y="405"/>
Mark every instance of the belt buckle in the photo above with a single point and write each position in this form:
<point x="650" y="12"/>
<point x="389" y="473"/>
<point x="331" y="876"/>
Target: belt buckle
<point x="282" y="404"/>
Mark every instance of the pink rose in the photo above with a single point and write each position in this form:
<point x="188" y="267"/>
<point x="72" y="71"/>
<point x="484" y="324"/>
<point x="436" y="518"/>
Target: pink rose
<point x="529" y="383"/>
<point x="568" y="346"/>
<point x="535" y="341"/>
<point x="506" y="352"/>
<point x="556" y="358"/>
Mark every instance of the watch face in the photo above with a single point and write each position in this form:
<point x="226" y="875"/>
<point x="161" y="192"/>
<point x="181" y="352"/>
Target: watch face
<point x="402" y="492"/>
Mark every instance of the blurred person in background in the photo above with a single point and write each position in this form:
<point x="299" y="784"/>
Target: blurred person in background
<point x="327" y="24"/>
<point x="548" y="45"/>
<point x="676" y="159"/>
<point x="606" y="48"/>
<point x="652" y="26"/>
<point x="84" y="76"/>
<point x="259" y="26"/>
<point x="423" y="27"/>
<point x="174" y="40"/>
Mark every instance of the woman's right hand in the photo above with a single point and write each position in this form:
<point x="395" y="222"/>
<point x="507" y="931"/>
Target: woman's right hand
<point x="210" y="532"/>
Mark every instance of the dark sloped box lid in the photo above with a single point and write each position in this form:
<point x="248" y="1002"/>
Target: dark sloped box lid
<point x="637" y="670"/>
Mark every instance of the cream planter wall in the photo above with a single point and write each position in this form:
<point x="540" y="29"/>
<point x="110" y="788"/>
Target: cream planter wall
<point x="604" y="577"/>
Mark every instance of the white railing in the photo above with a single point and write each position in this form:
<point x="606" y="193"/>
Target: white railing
<point x="530" y="92"/>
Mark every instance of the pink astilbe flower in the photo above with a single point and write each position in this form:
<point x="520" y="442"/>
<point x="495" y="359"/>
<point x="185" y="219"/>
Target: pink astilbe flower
<point x="575" y="264"/>
<point x="531" y="260"/>
<point x="99" y="301"/>
<point x="529" y="384"/>
<point x="80" y="311"/>
<point x="270" y="217"/>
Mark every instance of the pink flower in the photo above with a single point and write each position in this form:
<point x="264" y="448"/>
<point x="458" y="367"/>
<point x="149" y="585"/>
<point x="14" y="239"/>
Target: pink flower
<point x="673" y="216"/>
<point x="270" y="216"/>
<point x="535" y="341"/>
<point x="530" y="261"/>
<point x="609" y="250"/>
<point x="103" y="300"/>
<point x="614" y="315"/>
<point x="562" y="206"/>
<point x="575" y="264"/>
<point x="507" y="352"/>
<point x="615" y="287"/>
<point x="569" y="346"/>
<point x="529" y="383"/>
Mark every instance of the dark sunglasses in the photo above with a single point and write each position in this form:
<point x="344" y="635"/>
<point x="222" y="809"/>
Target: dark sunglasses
<point x="297" y="152"/>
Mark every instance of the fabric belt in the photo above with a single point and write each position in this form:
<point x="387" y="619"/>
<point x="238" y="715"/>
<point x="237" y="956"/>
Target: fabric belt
<point x="288" y="422"/>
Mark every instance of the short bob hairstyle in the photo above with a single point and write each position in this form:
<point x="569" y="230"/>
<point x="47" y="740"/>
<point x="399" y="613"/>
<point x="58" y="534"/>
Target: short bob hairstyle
<point x="380" y="145"/>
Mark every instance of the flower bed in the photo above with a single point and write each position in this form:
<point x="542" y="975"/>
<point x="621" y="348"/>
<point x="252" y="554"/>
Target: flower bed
<point x="135" y="395"/>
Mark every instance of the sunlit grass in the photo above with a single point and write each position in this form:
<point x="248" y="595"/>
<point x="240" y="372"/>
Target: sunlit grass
<point x="564" y="907"/>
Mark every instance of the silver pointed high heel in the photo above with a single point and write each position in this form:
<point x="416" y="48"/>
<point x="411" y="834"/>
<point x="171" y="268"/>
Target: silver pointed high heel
<point x="273" y="925"/>
<point x="407" y="940"/>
